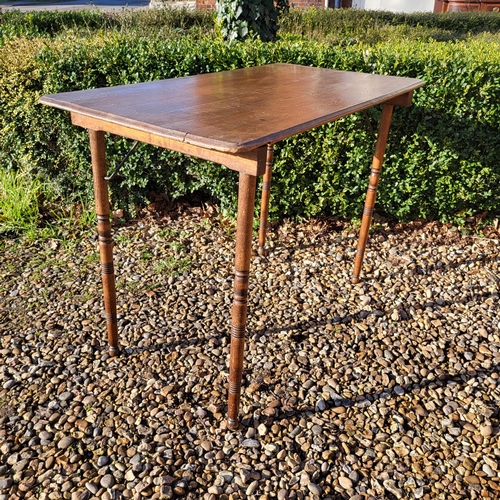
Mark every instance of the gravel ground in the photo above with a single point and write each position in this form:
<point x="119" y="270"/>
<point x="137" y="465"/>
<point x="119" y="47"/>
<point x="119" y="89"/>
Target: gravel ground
<point x="387" y="389"/>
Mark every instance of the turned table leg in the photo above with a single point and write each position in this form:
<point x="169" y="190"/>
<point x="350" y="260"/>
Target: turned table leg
<point x="105" y="240"/>
<point x="378" y="158"/>
<point x="264" y="206"/>
<point x="246" y="199"/>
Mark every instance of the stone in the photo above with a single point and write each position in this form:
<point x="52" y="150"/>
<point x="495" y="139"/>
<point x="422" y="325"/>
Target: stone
<point x="252" y="487"/>
<point x="107" y="481"/>
<point x="9" y="384"/>
<point x="409" y="415"/>
<point x="215" y="490"/>
<point x="65" y="442"/>
<point x="345" y="482"/>
<point x="282" y="494"/>
<point x="314" y="489"/>
<point x="488" y="470"/>
<point x="250" y="443"/>
<point x="102" y="461"/>
<point x="92" y="488"/>
<point x="391" y="487"/>
<point x="66" y="396"/>
<point x="472" y="479"/>
<point x="206" y="445"/>
<point x="5" y="482"/>
<point x="486" y="430"/>
<point x="81" y="495"/>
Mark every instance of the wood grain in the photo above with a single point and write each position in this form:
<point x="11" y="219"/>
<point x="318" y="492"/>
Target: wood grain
<point x="371" y="194"/>
<point x="248" y="162"/>
<point x="105" y="240"/>
<point x="246" y="198"/>
<point x="236" y="111"/>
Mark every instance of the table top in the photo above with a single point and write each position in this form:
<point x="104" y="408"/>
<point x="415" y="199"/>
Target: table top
<point x="239" y="110"/>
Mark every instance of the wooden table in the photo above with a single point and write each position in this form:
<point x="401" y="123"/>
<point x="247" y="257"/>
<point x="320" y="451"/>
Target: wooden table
<point x="232" y="118"/>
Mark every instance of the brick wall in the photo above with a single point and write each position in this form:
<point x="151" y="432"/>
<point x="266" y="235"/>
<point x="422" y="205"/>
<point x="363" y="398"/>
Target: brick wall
<point x="205" y="4"/>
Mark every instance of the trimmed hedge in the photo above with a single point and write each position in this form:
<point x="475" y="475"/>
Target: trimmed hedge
<point x="153" y="22"/>
<point x="352" y="25"/>
<point x="442" y="157"/>
<point x="342" y="25"/>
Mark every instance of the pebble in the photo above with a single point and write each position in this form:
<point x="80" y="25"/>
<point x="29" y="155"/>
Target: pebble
<point x="250" y="443"/>
<point x="9" y="384"/>
<point x="5" y="482"/>
<point x="92" y="488"/>
<point x="65" y="442"/>
<point x="486" y="430"/>
<point x="282" y="494"/>
<point x="206" y="445"/>
<point x="345" y="482"/>
<point x="102" y="461"/>
<point x="252" y="487"/>
<point x="66" y="396"/>
<point x="314" y="489"/>
<point x="386" y="388"/>
<point x="488" y="470"/>
<point x="472" y="479"/>
<point x="107" y="481"/>
<point x="391" y="487"/>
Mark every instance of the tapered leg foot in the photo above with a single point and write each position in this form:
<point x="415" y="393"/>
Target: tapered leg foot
<point x="371" y="194"/>
<point x="105" y="240"/>
<point x="232" y="424"/>
<point x="263" y="252"/>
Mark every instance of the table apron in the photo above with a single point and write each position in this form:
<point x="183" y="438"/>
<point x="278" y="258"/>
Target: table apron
<point x="249" y="162"/>
<point x="401" y="100"/>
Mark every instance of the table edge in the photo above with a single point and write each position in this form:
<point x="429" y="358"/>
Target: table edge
<point x="227" y="146"/>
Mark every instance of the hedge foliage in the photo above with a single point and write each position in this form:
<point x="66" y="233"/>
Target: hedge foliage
<point x="346" y="26"/>
<point x="153" y="22"/>
<point x="354" y="26"/>
<point x="442" y="158"/>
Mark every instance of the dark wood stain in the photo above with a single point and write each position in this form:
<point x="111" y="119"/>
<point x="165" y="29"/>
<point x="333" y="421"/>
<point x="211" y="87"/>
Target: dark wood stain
<point x="235" y="111"/>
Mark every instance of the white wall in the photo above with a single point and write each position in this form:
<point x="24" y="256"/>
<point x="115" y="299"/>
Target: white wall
<point x="395" y="5"/>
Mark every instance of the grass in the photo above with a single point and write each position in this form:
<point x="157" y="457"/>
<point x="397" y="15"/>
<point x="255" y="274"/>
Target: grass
<point x="92" y="258"/>
<point x="19" y="194"/>
<point x="172" y="266"/>
<point x="22" y="213"/>
<point x="146" y="256"/>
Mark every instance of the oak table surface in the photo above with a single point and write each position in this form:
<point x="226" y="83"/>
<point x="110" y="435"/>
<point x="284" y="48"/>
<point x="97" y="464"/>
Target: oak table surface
<point x="232" y="118"/>
<point x="239" y="110"/>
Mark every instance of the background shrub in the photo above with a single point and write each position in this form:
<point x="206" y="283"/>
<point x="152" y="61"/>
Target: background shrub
<point x="154" y="22"/>
<point x="442" y="156"/>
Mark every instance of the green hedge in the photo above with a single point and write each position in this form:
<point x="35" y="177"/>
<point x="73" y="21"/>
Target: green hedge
<point x="151" y="22"/>
<point x="443" y="154"/>
<point x="342" y="25"/>
<point x="352" y="25"/>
